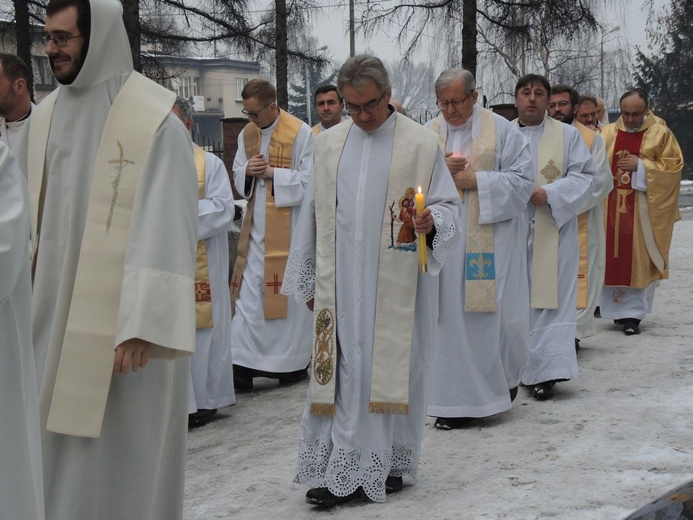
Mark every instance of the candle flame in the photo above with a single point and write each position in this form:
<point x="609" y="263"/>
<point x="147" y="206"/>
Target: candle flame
<point x="419" y="189"/>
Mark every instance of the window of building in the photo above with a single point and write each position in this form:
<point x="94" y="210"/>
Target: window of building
<point x="43" y="77"/>
<point x="186" y="86"/>
<point x="240" y="83"/>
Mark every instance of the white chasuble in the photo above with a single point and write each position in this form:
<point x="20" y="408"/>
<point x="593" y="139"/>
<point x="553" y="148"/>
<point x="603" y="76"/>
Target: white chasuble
<point x="355" y="447"/>
<point x="552" y="336"/>
<point x="479" y="356"/>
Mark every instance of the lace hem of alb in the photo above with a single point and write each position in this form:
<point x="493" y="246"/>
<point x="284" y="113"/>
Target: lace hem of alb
<point x="299" y="278"/>
<point x="443" y="243"/>
<point x="343" y="472"/>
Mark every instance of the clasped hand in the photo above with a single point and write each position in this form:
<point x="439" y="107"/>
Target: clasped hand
<point x="258" y="167"/>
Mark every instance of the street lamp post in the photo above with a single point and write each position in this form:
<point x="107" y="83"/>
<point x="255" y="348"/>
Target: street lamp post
<point x="601" y="58"/>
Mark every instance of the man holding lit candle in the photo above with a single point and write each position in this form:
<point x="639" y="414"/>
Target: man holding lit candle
<point x="374" y="313"/>
<point x="564" y="173"/>
<point x="483" y="330"/>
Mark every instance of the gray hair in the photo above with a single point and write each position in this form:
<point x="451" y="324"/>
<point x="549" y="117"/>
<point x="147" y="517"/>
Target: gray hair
<point x="358" y="70"/>
<point x="449" y="75"/>
<point x="184" y="107"/>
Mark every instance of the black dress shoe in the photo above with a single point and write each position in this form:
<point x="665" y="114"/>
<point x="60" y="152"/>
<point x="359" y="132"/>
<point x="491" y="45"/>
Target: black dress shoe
<point x="513" y="394"/>
<point x="323" y="497"/>
<point x="290" y="378"/>
<point x="631" y="326"/>
<point x="543" y="391"/>
<point x="242" y="378"/>
<point x="200" y="417"/>
<point x="577" y="345"/>
<point x="393" y="484"/>
<point x="453" y="423"/>
<point x="597" y="312"/>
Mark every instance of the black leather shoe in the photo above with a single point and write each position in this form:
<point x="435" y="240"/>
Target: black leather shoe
<point x="597" y="312"/>
<point x="393" y="484"/>
<point x="200" y="417"/>
<point x="453" y="423"/>
<point x="513" y="394"/>
<point x="631" y="326"/>
<point x="242" y="378"/>
<point x="577" y="345"/>
<point x="323" y="497"/>
<point x="543" y="391"/>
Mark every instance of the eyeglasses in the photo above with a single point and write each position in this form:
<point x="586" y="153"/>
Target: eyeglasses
<point x="456" y="103"/>
<point x="255" y="114"/>
<point x="60" y="40"/>
<point x="633" y="114"/>
<point x="368" y="108"/>
<point x="559" y="104"/>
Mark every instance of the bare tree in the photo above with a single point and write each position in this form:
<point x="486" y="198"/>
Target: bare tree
<point x="412" y="85"/>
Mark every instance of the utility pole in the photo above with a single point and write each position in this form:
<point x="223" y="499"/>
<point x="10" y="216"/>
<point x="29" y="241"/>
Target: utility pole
<point x="352" y="39"/>
<point x="281" y="54"/>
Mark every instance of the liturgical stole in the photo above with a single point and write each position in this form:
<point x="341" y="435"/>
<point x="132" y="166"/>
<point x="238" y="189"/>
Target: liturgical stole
<point x="86" y="361"/>
<point x="277" y="220"/>
<point x="480" y="272"/>
<point x="544" y="289"/>
<point x="203" y="289"/>
<point x="587" y="136"/>
<point x="413" y="160"/>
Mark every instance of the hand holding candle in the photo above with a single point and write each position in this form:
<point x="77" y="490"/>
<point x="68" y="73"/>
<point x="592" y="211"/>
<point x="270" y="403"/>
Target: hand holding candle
<point x="421" y="239"/>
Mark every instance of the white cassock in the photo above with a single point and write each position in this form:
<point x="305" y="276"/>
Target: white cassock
<point x="16" y="135"/>
<point x="354" y="447"/>
<point x="211" y="381"/>
<point x="281" y="345"/>
<point x="596" y="240"/>
<point x="552" y="331"/>
<point x="135" y="469"/>
<point x="480" y="355"/>
<point x="21" y="483"/>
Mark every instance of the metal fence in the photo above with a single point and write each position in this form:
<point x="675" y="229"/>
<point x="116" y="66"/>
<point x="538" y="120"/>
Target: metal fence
<point x="209" y="145"/>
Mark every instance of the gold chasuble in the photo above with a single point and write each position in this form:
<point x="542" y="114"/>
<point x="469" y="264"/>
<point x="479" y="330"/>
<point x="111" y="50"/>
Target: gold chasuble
<point x="86" y="361"/>
<point x="203" y="290"/>
<point x="544" y="289"/>
<point x="480" y="274"/>
<point x="639" y="225"/>
<point x="277" y="220"/>
<point x="587" y="136"/>
<point x="412" y="163"/>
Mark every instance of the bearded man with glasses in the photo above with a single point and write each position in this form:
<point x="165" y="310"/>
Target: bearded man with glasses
<point x="114" y="210"/>
<point x="270" y="335"/>
<point x="646" y="163"/>
<point x="483" y="330"/>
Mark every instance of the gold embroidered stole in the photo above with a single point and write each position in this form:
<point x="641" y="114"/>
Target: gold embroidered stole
<point x="86" y="361"/>
<point x="413" y="159"/>
<point x="316" y="129"/>
<point x="277" y="220"/>
<point x="544" y="290"/>
<point x="583" y="275"/>
<point x="203" y="290"/>
<point x="480" y="273"/>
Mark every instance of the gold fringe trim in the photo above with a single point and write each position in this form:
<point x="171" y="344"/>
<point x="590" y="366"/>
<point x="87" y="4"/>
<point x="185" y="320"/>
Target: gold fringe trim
<point x="322" y="409"/>
<point x="393" y="408"/>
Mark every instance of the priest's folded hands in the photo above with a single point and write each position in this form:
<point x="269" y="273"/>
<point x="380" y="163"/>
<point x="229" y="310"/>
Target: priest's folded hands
<point x="131" y="354"/>
<point x="258" y="167"/>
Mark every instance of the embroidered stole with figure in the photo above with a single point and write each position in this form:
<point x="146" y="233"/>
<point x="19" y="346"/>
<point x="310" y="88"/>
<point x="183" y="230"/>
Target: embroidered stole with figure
<point x="203" y="289"/>
<point x="544" y="289"/>
<point x="413" y="160"/>
<point x="480" y="272"/>
<point x="277" y="220"/>
<point x="587" y="136"/>
<point x="86" y="361"/>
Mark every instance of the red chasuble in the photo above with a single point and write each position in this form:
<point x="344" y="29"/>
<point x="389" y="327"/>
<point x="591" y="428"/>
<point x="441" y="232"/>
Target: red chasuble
<point x="620" y="213"/>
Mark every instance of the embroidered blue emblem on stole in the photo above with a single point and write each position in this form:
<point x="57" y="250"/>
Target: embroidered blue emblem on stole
<point x="480" y="266"/>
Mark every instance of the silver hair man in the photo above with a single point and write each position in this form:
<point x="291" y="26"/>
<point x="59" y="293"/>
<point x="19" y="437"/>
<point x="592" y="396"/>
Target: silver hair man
<point x="448" y="76"/>
<point x="184" y="107"/>
<point x="360" y="69"/>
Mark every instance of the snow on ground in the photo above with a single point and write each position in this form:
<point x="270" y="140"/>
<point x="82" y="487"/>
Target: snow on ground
<point x="611" y="441"/>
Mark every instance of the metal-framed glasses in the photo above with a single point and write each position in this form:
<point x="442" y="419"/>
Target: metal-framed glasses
<point x="60" y="40"/>
<point x="368" y="108"/>
<point x="559" y="104"/>
<point x="456" y="103"/>
<point x="255" y="114"/>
